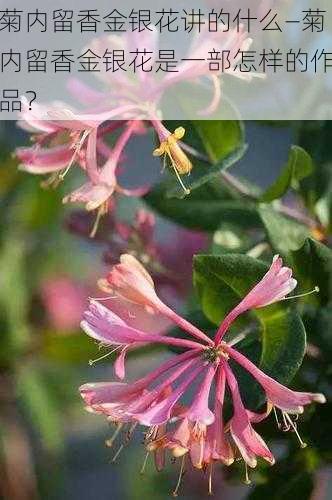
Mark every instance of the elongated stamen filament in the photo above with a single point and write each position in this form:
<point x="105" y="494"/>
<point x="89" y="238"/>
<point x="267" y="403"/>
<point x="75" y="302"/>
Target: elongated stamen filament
<point x="277" y="418"/>
<point x="294" y="427"/>
<point x="210" y="492"/>
<point x="315" y="290"/>
<point x="101" y="299"/>
<point x="93" y="361"/>
<point x="77" y="148"/>
<point x="185" y="189"/>
<point x="117" y="453"/>
<point x="102" y="210"/>
<point x="142" y="471"/>
<point x="178" y="484"/>
<point x="51" y="182"/>
<point x="286" y="424"/>
<point x="109" y="442"/>
<point x="130" y="432"/>
<point x="247" y="479"/>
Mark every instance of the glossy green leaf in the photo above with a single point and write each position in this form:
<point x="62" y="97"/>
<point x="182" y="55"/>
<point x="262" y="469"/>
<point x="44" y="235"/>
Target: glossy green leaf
<point x="285" y="234"/>
<point x="203" y="209"/>
<point x="313" y="267"/>
<point x="222" y="281"/>
<point x="299" y="166"/>
<point x="220" y="138"/>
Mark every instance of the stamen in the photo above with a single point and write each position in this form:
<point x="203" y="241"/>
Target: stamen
<point x="142" y="471"/>
<point x="294" y="427"/>
<point x="178" y="484"/>
<point x="101" y="299"/>
<point x="109" y="442"/>
<point x="185" y="189"/>
<point x="286" y="426"/>
<point x="93" y="361"/>
<point x="315" y="290"/>
<point x="277" y="418"/>
<point x="51" y="182"/>
<point x="247" y="479"/>
<point x="210" y="492"/>
<point x="117" y="454"/>
<point x="102" y="210"/>
<point x="65" y="172"/>
<point x="131" y="431"/>
<point x="77" y="148"/>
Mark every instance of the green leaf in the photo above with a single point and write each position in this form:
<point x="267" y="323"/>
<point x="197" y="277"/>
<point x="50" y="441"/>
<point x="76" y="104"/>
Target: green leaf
<point x="218" y="146"/>
<point x="222" y="281"/>
<point x="204" y="209"/>
<point x="285" y="234"/>
<point x="220" y="138"/>
<point x="299" y="166"/>
<point x="313" y="267"/>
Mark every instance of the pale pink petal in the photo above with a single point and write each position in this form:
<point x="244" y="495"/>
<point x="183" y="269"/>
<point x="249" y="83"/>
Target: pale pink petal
<point x="135" y="192"/>
<point x="119" y="365"/>
<point x="130" y="280"/>
<point x="83" y="93"/>
<point x="93" y="195"/>
<point x="279" y="395"/>
<point x="102" y="324"/>
<point x="37" y="160"/>
<point x="250" y="444"/>
<point x="160" y="413"/>
<point x="199" y="411"/>
<point x="274" y="286"/>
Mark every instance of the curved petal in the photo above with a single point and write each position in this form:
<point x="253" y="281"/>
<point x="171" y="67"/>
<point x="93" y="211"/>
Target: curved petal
<point x="279" y="395"/>
<point x="274" y="286"/>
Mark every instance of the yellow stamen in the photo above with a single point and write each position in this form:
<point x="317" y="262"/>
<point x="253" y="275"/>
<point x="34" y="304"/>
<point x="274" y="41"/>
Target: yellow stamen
<point x="179" y="160"/>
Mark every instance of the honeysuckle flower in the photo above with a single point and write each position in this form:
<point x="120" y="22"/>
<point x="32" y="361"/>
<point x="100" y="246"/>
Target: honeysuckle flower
<point x="65" y="137"/>
<point x="173" y="401"/>
<point x="274" y="286"/>
<point x="102" y="183"/>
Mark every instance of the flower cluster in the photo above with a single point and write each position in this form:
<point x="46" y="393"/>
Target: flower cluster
<point x="64" y="138"/>
<point x="181" y="402"/>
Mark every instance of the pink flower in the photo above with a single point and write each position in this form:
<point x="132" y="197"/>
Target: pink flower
<point x="64" y="137"/>
<point x="174" y="400"/>
<point x="274" y="286"/>
<point x="102" y="181"/>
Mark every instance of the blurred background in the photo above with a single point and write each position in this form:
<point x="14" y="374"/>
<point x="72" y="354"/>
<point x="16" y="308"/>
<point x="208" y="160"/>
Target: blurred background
<point x="49" y="446"/>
